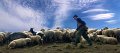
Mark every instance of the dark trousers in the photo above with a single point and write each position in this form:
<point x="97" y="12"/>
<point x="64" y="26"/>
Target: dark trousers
<point x="83" y="33"/>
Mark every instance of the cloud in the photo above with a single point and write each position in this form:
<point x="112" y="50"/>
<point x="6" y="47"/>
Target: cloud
<point x="15" y="17"/>
<point x="20" y="17"/>
<point x="64" y="6"/>
<point x="61" y="12"/>
<point x="102" y="16"/>
<point x="111" y="21"/>
<point x="95" y="10"/>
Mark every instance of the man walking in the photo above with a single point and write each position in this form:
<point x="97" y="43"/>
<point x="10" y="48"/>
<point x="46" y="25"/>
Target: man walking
<point x="81" y="31"/>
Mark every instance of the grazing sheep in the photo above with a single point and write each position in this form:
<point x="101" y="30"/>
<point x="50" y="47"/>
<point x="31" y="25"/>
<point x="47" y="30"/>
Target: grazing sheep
<point x="36" y="40"/>
<point x="91" y="30"/>
<point x="48" y="36"/>
<point x="94" y="37"/>
<point x="108" y="32"/>
<point x="117" y="34"/>
<point x="40" y="33"/>
<point x="104" y="39"/>
<point x="16" y="35"/>
<point x="2" y="37"/>
<point x="109" y="40"/>
<point x="27" y="33"/>
<point x="19" y="43"/>
<point x="66" y="36"/>
<point x="99" y="32"/>
<point x="58" y="35"/>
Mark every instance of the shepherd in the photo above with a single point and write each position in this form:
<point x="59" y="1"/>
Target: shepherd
<point x="81" y="31"/>
<point x="33" y="32"/>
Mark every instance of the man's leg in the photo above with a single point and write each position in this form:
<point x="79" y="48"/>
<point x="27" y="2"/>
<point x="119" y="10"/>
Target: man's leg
<point x="77" y="37"/>
<point x="85" y="36"/>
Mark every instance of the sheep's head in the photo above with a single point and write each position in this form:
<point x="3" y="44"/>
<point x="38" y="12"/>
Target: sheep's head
<point x="40" y="34"/>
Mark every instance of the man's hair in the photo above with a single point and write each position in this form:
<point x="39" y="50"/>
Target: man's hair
<point x="75" y="16"/>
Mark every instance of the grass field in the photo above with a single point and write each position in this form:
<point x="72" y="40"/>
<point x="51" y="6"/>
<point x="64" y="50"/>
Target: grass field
<point x="63" y="48"/>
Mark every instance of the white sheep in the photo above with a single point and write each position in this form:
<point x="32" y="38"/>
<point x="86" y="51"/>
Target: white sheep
<point x="58" y="35"/>
<point x="67" y="35"/>
<point x="117" y="34"/>
<point x="108" y="32"/>
<point x="94" y="37"/>
<point x="104" y="39"/>
<point x="91" y="30"/>
<point x="36" y="39"/>
<point x="19" y="43"/>
<point x="109" y="40"/>
<point x="2" y="37"/>
<point x="28" y="34"/>
<point x="49" y="36"/>
<point x="99" y="32"/>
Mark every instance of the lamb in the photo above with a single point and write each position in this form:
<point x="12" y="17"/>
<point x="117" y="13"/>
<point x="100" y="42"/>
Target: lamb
<point x="19" y="43"/>
<point x="36" y="40"/>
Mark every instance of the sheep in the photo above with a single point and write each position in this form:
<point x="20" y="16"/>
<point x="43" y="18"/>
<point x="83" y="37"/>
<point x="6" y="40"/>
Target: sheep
<point x="104" y="39"/>
<point x="72" y="34"/>
<point x="2" y="37"/>
<point x="17" y="35"/>
<point x="91" y="30"/>
<point x="117" y="34"/>
<point x="99" y="32"/>
<point x="36" y="40"/>
<point x="40" y="33"/>
<point x="68" y="35"/>
<point x="58" y="35"/>
<point x="49" y="36"/>
<point x="19" y="43"/>
<point x="108" y="32"/>
<point x="27" y="33"/>
<point x="94" y="37"/>
<point x="109" y="40"/>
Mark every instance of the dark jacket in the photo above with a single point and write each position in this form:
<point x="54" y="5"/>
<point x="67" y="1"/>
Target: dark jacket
<point x="33" y="32"/>
<point x="80" y="24"/>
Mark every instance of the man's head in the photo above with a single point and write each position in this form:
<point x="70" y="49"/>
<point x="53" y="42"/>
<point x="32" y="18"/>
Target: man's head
<point x="75" y="17"/>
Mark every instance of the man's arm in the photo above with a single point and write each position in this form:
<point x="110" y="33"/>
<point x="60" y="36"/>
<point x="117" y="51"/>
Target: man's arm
<point x="78" y="28"/>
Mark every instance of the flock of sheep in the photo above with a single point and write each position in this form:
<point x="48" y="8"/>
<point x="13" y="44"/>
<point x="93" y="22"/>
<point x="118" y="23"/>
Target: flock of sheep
<point x="26" y="38"/>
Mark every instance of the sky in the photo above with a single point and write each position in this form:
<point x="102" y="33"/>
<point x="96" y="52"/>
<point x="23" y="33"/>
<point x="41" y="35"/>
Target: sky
<point x="21" y="15"/>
